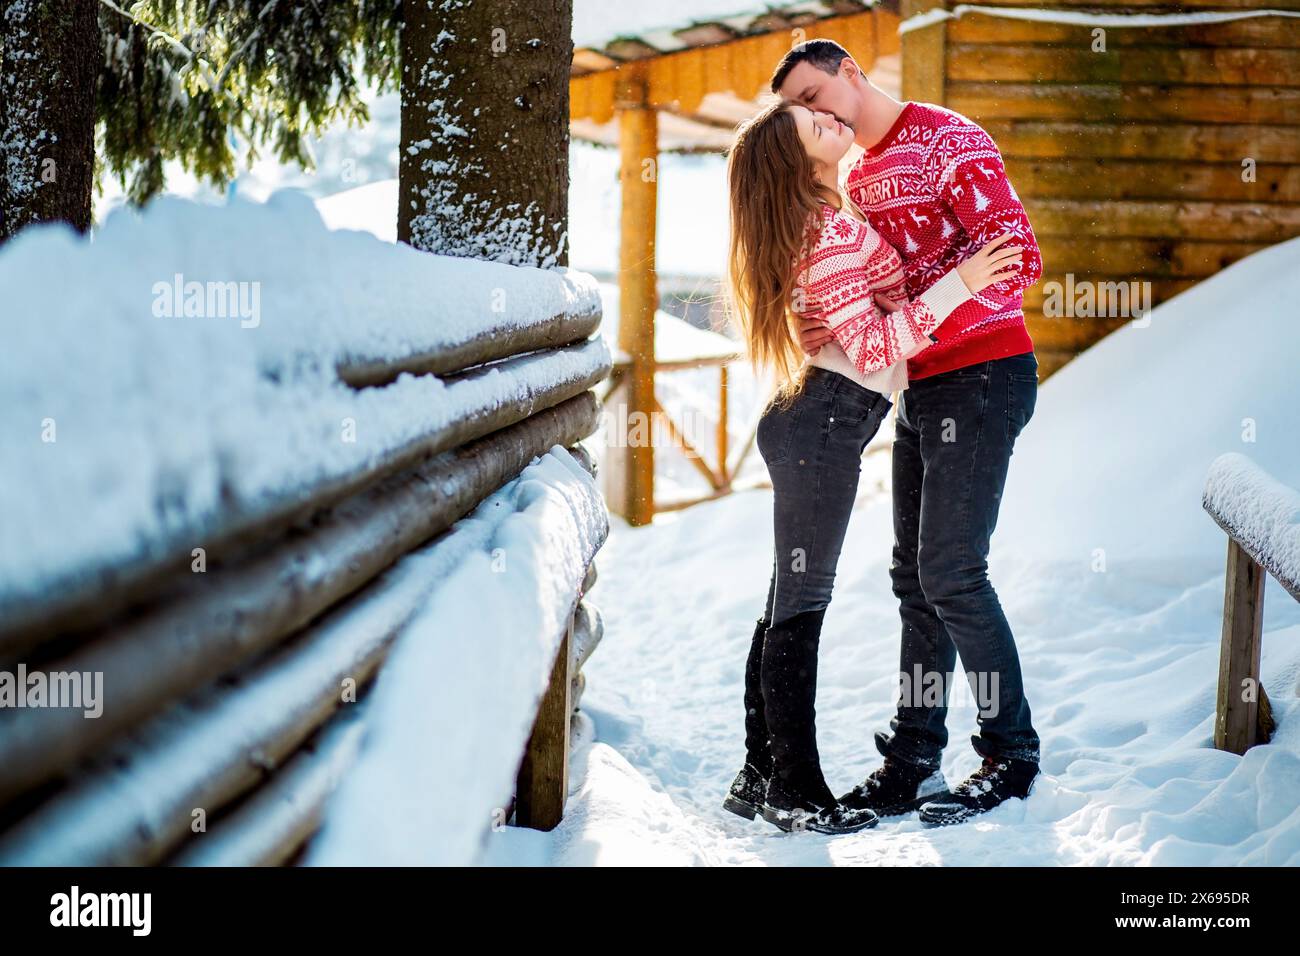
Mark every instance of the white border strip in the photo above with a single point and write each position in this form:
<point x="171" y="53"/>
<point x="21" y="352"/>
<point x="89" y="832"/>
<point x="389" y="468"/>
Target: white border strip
<point x="1080" y="18"/>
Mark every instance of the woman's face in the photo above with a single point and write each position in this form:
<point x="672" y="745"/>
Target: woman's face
<point x="825" y="139"/>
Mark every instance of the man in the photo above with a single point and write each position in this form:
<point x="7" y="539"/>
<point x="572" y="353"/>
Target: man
<point x="933" y="183"/>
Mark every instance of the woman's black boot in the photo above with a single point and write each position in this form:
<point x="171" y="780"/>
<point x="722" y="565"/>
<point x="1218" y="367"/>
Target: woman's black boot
<point x="745" y="796"/>
<point x="797" y="795"/>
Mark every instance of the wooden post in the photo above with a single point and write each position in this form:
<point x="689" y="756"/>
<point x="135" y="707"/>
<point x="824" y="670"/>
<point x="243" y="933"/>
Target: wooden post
<point x="1236" y="720"/>
<point x="543" y="782"/>
<point x="633" y="459"/>
<point x="923" y="53"/>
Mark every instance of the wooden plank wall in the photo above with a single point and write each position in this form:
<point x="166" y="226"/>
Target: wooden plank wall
<point x="1130" y="161"/>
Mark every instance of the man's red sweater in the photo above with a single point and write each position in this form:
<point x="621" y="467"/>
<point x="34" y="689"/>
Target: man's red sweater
<point x="936" y="189"/>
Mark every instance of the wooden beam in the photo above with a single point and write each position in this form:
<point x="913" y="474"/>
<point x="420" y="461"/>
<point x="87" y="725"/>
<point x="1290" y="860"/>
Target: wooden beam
<point x="543" y="783"/>
<point x="742" y="66"/>
<point x="638" y="294"/>
<point x="694" y="457"/>
<point x="1237" y="710"/>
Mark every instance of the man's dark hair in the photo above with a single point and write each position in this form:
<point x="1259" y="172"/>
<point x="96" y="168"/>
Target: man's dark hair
<point x="823" y="54"/>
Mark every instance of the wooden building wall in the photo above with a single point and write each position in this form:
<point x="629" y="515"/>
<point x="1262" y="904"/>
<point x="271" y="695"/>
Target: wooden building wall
<point x="1129" y="161"/>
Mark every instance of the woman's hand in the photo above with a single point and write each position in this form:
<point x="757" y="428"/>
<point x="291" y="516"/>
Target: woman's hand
<point x="995" y="262"/>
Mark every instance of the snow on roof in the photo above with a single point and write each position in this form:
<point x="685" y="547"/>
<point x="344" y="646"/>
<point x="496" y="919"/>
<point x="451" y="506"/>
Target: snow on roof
<point x="599" y="22"/>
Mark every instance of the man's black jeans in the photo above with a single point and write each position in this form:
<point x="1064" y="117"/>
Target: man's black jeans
<point x="953" y="437"/>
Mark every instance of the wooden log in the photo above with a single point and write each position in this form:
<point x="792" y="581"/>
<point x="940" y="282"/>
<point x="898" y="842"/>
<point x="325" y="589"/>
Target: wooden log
<point x="86" y="598"/>
<point x="273" y="823"/>
<point x="1258" y="32"/>
<point x="1164" y="219"/>
<point x="1012" y="63"/>
<point x="1125" y="102"/>
<point x="233" y="613"/>
<point x="136" y="802"/>
<point x="1200" y="143"/>
<point x="1236" y="727"/>
<point x="1142" y="257"/>
<point x="1169" y="258"/>
<point x="1125" y="179"/>
<point x="500" y="339"/>
<point x="543" y="783"/>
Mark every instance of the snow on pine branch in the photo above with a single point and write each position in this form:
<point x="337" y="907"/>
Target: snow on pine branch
<point x="182" y="366"/>
<point x="1084" y="18"/>
<point x="1260" y="512"/>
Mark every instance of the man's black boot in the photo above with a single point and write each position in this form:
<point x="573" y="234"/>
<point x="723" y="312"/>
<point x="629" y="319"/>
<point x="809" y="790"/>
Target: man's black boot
<point x="745" y="796"/>
<point x="897" y="786"/>
<point x="996" y="781"/>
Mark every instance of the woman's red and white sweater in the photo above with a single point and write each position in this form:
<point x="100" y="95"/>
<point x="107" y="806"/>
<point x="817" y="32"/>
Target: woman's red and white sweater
<point x="935" y="187"/>
<point x="840" y="275"/>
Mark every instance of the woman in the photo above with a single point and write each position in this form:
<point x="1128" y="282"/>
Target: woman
<point x="797" y="248"/>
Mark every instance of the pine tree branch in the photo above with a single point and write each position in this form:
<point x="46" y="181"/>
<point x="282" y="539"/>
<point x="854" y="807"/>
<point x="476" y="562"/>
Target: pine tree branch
<point x="171" y="41"/>
<point x="243" y="47"/>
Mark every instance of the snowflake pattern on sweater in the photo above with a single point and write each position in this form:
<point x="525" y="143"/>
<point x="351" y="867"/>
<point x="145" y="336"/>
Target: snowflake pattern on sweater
<point x="936" y="188"/>
<point x="843" y="269"/>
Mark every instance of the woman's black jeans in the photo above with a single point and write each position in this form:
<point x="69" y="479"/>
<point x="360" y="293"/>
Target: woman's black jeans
<point x="813" y="450"/>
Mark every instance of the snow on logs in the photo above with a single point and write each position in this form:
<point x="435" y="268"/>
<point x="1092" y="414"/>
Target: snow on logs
<point x="220" y="691"/>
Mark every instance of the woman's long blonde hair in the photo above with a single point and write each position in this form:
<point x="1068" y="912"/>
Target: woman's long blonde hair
<point x="775" y="219"/>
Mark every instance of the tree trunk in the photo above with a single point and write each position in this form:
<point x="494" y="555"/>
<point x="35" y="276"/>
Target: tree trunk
<point x="485" y="130"/>
<point x="49" y="60"/>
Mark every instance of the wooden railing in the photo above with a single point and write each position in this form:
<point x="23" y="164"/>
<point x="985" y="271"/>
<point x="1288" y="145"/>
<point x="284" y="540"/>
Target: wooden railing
<point x="221" y="691"/>
<point x="1262" y="519"/>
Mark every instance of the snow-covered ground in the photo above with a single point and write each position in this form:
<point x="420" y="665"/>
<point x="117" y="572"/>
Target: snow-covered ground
<point x="1111" y="574"/>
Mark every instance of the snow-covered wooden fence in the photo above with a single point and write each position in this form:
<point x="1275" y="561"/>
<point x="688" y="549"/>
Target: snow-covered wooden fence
<point x="1262" y="519"/>
<point x="228" y="644"/>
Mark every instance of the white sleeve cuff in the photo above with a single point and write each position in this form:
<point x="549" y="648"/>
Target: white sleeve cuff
<point x="946" y="295"/>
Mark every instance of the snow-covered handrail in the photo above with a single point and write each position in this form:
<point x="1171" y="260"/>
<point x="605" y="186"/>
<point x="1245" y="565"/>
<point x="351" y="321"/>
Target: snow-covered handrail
<point x="1262" y="519"/>
<point x="1260" y="513"/>
<point x="1086" y="18"/>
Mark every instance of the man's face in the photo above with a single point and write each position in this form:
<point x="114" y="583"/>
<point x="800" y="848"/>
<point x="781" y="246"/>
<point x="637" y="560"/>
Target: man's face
<point x="837" y="94"/>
